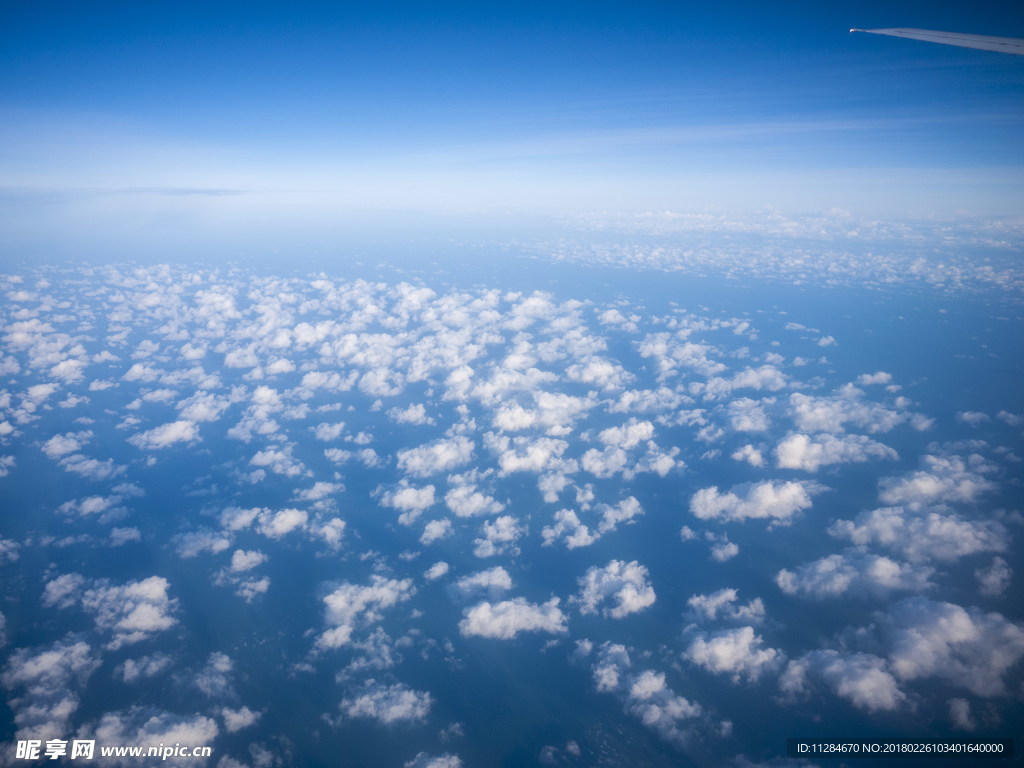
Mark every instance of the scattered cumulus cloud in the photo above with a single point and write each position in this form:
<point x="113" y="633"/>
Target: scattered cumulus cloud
<point x="616" y="590"/>
<point x="45" y="684"/>
<point x="944" y="479"/>
<point x="776" y="502"/>
<point x="853" y="572"/>
<point x="508" y="618"/>
<point x="388" y="704"/>
<point x="646" y="695"/>
<point x="923" y="536"/>
<point x="352" y="606"/>
<point x="809" y="453"/>
<point x="738" y="653"/>
<point x="436" y="457"/>
<point x="724" y="605"/>
<point x="490" y="583"/>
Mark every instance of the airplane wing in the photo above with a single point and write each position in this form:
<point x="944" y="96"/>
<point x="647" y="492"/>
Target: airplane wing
<point x="983" y="42"/>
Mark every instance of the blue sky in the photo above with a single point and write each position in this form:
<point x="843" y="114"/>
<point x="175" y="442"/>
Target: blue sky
<point x="117" y="109"/>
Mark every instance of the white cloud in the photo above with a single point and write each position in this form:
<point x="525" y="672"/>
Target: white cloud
<point x="328" y="432"/>
<point x="439" y="456"/>
<point x="600" y="371"/>
<point x="423" y="760"/>
<point x="274" y="525"/>
<point x="809" y="453"/>
<point x="960" y="714"/>
<point x="193" y="543"/>
<point x="551" y="486"/>
<point x="553" y="412"/>
<point x="569" y="529"/>
<point x="242" y="560"/>
<point x="629" y="435"/>
<point x="63" y="591"/>
<point x="1013" y="419"/>
<point x="413" y="414"/>
<point x="615" y="318"/>
<point x="351" y="605"/>
<point x="467" y="501"/>
<point x="237" y="719"/>
<point x="214" y="678"/>
<point x="855" y="572"/>
<point x="278" y="460"/>
<point x="944" y="479"/>
<point x="624" y="512"/>
<point x="508" y="618"/>
<point x="408" y="500"/>
<point x="60" y="445"/>
<point x="490" y="583"/>
<point x="994" y="580"/>
<point x="749" y="454"/>
<point x="241" y="358"/>
<point x="647" y="695"/>
<point x="165" y="435"/>
<point x="8" y="551"/>
<point x="498" y="537"/>
<point x="338" y="456"/>
<point x="522" y="454"/>
<point x="777" y="502"/>
<point x="144" y="667"/>
<point x="388" y="704"/>
<point x="972" y="418"/>
<point x="605" y="463"/>
<point x="574" y="533"/>
<point x="917" y="639"/>
<point x="436" y="530"/>
<point x="724" y="550"/>
<point x="847" y="406"/>
<point x="648" y="400"/>
<point x="765" y="377"/>
<point x="724" y="605"/>
<point x="736" y="652"/>
<point x="625" y="585"/>
<point x="140" y="372"/>
<point x="49" y="679"/>
<point x="133" y="611"/>
<point x="236" y="519"/>
<point x="747" y="415"/>
<point x="104" y="507"/>
<point x="436" y="571"/>
<point x="130" y="612"/>
<point x="870" y="379"/>
<point x="381" y="382"/>
<point x="923" y="536"/>
<point x="250" y="589"/>
<point x="279" y="366"/>
<point x="121" y="536"/>
<point x="141" y="725"/>
<point x="966" y="648"/>
<point x="205" y="406"/>
<point x="656" y="461"/>
<point x="860" y="678"/>
<point x="92" y="469"/>
<point x="672" y="353"/>
<point x="320" y="490"/>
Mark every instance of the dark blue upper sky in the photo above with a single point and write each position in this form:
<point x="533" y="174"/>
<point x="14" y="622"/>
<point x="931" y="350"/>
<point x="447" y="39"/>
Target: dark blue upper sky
<point x="598" y="104"/>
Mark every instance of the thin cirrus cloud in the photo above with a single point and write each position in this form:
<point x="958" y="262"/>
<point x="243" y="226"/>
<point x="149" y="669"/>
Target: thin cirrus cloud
<point x="107" y="168"/>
